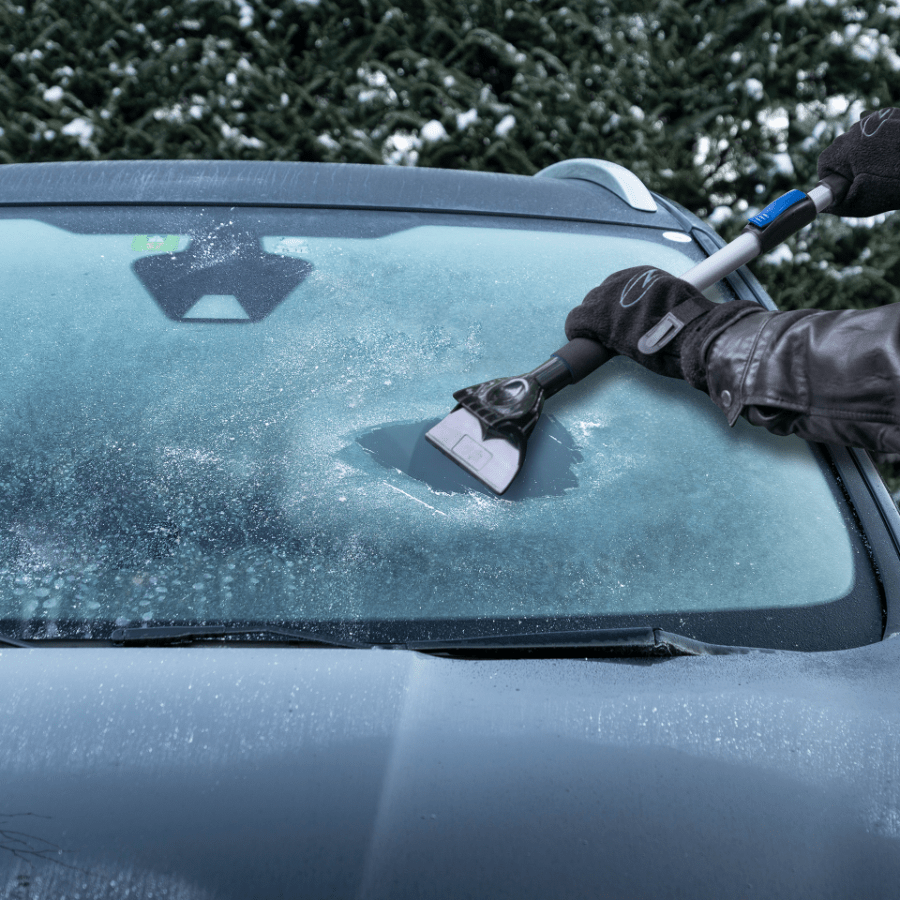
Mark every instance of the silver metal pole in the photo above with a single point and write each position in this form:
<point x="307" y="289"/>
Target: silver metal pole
<point x="723" y="262"/>
<point x="742" y="249"/>
<point x="821" y="196"/>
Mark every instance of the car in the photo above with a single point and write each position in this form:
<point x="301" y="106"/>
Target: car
<point x="261" y="639"/>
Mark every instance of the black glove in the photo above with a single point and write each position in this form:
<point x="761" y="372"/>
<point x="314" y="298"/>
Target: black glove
<point x="868" y="156"/>
<point x="622" y="312"/>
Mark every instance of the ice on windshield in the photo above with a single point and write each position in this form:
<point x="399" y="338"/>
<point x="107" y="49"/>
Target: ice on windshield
<point x="161" y="466"/>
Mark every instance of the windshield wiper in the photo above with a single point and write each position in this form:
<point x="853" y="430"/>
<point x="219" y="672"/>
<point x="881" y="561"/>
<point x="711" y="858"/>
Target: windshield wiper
<point x="12" y="642"/>
<point x="609" y="642"/>
<point x="164" y="635"/>
<point x="615" y="642"/>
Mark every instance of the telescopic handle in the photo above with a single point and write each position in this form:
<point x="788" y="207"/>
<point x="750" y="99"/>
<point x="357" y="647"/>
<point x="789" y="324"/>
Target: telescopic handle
<point x="778" y="221"/>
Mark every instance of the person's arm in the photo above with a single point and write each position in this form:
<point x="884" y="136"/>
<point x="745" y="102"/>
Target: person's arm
<point x="824" y="376"/>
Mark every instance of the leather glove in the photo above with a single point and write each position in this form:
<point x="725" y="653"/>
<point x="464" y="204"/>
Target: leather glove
<point x="656" y="319"/>
<point x="868" y="156"/>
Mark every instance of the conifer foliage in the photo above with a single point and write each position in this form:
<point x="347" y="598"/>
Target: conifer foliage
<point x="716" y="103"/>
<point x="720" y="104"/>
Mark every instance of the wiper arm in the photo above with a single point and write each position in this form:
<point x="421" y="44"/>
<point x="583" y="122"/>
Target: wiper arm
<point x="165" y="635"/>
<point x="644" y="641"/>
<point x="12" y="642"/>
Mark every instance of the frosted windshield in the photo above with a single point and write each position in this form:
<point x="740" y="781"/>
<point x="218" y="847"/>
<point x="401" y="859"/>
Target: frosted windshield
<point x="184" y="441"/>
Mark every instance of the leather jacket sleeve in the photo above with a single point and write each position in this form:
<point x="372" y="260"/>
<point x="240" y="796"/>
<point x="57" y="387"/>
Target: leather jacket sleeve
<point x="832" y="377"/>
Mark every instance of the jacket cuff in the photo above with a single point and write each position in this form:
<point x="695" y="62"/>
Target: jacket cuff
<point x="728" y="354"/>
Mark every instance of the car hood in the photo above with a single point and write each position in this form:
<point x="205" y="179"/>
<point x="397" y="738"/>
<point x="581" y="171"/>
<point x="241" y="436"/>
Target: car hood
<point x="232" y="773"/>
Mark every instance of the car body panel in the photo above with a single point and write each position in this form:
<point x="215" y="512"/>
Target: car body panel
<point x="229" y="773"/>
<point x="330" y="185"/>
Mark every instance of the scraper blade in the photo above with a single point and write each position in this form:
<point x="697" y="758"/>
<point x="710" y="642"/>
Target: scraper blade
<point x="493" y="461"/>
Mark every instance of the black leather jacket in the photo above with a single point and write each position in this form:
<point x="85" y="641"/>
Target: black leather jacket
<point x="832" y="377"/>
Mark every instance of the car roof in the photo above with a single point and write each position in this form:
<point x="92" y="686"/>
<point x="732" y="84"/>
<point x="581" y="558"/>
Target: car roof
<point x="331" y="185"/>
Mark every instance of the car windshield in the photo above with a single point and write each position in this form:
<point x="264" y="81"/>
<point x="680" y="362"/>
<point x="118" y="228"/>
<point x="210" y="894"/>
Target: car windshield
<point x="217" y="415"/>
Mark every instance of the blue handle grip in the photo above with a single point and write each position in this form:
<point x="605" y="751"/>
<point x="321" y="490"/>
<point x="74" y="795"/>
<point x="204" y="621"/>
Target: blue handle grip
<point x="781" y="218"/>
<point x="776" y="208"/>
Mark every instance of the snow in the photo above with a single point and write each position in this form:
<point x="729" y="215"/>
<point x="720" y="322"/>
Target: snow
<point x="505" y="125"/>
<point x="867" y="44"/>
<point x="870" y="45"/>
<point x="233" y="134"/>
<point x="375" y="78"/>
<point x="246" y="13"/>
<point x="782" y="253"/>
<point x="433" y="131"/>
<point x="782" y="163"/>
<point x="168" y="114"/>
<point x="379" y="87"/>
<point x="53" y="94"/>
<point x="703" y="147"/>
<point x="839" y="273"/>
<point x="754" y="88"/>
<point x="327" y="141"/>
<point x="465" y="119"/>
<point x="401" y="149"/>
<point x="773" y="120"/>
<point x="81" y="129"/>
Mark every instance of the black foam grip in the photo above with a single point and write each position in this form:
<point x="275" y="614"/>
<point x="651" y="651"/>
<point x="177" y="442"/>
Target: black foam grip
<point x="838" y="186"/>
<point x="582" y="356"/>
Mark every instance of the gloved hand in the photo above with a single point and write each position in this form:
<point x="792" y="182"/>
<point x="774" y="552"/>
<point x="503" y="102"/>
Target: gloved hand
<point x="868" y="156"/>
<point x="620" y="313"/>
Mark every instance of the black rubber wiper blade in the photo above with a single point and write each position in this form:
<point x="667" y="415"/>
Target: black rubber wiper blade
<point x="173" y="635"/>
<point x="643" y="641"/>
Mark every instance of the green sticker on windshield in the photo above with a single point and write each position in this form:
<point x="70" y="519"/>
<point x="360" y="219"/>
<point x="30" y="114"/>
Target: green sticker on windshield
<point x="155" y="243"/>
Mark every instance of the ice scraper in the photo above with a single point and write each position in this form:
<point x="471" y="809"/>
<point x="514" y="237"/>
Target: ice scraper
<point x="487" y="432"/>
